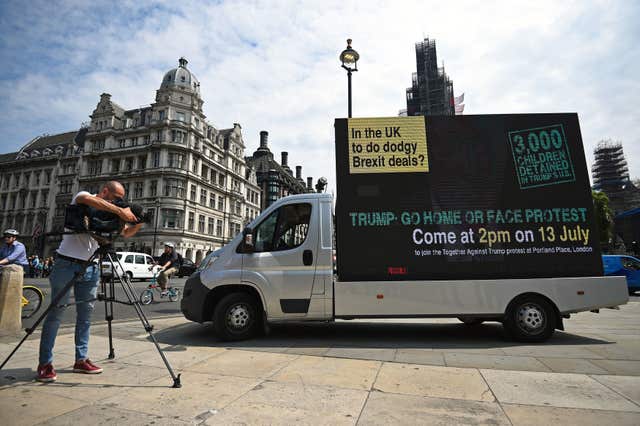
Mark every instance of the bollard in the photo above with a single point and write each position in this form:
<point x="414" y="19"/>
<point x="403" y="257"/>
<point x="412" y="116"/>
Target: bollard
<point x="11" y="279"/>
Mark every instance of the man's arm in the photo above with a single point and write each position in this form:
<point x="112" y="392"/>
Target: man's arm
<point x="130" y="230"/>
<point x="13" y="256"/>
<point x="100" y="204"/>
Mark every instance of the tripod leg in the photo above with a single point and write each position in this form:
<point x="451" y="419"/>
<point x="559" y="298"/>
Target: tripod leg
<point x="135" y="302"/>
<point x="108" y="306"/>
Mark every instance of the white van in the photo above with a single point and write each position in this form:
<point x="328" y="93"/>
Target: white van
<point x="136" y="265"/>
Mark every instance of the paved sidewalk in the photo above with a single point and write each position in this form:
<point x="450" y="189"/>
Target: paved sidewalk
<point x="348" y="377"/>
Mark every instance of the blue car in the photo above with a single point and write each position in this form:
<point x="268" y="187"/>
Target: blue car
<point x="627" y="266"/>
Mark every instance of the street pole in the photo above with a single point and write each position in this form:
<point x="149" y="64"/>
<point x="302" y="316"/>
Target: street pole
<point x="155" y="232"/>
<point x="349" y="89"/>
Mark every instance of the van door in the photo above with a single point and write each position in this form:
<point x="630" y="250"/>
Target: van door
<point x="140" y="269"/>
<point x="285" y="256"/>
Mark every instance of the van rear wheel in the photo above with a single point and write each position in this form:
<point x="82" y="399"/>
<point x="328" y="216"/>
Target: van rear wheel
<point x="530" y="318"/>
<point x="235" y="317"/>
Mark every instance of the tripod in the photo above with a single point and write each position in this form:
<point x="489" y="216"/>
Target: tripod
<point x="108" y="296"/>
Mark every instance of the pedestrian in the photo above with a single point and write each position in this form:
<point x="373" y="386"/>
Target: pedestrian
<point x="12" y="251"/>
<point x="71" y="263"/>
<point x="30" y="262"/>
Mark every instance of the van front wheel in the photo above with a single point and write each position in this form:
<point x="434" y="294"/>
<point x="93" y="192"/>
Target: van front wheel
<point x="236" y="317"/>
<point x="530" y="319"/>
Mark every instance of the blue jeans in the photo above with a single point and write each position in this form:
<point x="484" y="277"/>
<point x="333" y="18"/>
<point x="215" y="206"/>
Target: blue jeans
<point x="85" y="288"/>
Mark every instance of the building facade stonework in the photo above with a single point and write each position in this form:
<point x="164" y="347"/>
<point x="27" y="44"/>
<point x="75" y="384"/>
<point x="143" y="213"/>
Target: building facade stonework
<point x="170" y="159"/>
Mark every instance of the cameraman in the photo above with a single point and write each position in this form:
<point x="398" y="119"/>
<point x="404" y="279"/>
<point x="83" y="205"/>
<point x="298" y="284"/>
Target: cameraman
<point x="71" y="258"/>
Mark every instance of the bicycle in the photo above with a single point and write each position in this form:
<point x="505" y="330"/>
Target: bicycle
<point x="146" y="296"/>
<point x="32" y="298"/>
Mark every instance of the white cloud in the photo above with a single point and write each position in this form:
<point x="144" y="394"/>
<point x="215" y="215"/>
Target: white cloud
<point x="274" y="65"/>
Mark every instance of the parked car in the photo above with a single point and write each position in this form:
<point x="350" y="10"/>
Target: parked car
<point x="622" y="265"/>
<point x="187" y="268"/>
<point x="136" y="265"/>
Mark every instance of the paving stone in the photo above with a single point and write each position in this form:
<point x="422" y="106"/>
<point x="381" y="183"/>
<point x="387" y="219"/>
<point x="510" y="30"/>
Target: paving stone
<point x="419" y="356"/>
<point x="336" y="372"/>
<point x="21" y="368"/>
<point x="572" y="365"/>
<point x="393" y="409"/>
<point x="377" y="354"/>
<point x="278" y="403"/>
<point x="529" y="415"/>
<point x="625" y="368"/>
<point x="28" y="406"/>
<point x="199" y="394"/>
<point x="552" y="351"/>
<point x="310" y="351"/>
<point x="177" y="356"/>
<point x="432" y="381"/>
<point x="243" y="363"/>
<point x="628" y="386"/>
<point x="494" y="361"/>
<point x="554" y="389"/>
<point x="102" y="415"/>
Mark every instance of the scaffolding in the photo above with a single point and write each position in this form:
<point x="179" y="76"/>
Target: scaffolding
<point x="610" y="173"/>
<point x="431" y="91"/>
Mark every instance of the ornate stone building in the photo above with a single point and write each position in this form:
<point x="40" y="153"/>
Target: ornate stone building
<point x="171" y="160"/>
<point x="275" y="180"/>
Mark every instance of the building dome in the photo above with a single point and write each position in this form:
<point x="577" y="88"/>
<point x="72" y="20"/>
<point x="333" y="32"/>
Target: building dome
<point x="182" y="78"/>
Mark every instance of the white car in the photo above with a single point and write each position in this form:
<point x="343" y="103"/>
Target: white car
<point x="135" y="265"/>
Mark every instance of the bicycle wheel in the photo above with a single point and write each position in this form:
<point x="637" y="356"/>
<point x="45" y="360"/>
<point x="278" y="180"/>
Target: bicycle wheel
<point x="174" y="294"/>
<point x="146" y="297"/>
<point x="33" y="298"/>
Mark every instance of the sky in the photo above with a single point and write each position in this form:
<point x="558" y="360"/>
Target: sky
<point x="273" y="65"/>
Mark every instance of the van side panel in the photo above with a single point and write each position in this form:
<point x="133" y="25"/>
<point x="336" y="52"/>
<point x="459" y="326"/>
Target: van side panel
<point x="414" y="298"/>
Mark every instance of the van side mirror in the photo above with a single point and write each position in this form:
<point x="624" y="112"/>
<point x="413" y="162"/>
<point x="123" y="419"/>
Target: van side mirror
<point x="247" y="240"/>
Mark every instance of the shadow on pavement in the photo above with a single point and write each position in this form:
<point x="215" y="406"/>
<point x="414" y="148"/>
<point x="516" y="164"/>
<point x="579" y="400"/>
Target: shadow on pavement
<point x="366" y="335"/>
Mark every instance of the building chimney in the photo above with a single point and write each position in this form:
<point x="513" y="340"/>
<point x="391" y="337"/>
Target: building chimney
<point x="299" y="172"/>
<point x="285" y="156"/>
<point x="310" y="183"/>
<point x="264" y="135"/>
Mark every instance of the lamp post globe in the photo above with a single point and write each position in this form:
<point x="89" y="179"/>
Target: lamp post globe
<point x="349" y="57"/>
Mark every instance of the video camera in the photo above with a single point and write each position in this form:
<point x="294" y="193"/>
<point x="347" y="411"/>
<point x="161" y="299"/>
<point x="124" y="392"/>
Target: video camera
<point x="82" y="218"/>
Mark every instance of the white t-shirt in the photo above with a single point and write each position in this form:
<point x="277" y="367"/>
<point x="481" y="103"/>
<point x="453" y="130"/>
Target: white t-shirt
<point x="78" y="246"/>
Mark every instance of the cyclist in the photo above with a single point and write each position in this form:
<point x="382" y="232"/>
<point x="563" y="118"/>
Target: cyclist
<point x="168" y="266"/>
<point x="12" y="251"/>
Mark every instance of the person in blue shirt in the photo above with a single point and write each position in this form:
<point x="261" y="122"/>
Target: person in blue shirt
<point x="12" y="251"/>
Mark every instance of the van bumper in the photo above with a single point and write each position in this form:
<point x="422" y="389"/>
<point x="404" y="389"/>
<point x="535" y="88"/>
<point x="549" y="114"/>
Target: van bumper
<point x="193" y="299"/>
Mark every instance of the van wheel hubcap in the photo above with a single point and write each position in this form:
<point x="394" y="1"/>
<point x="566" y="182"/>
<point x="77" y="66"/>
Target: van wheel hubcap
<point x="238" y="317"/>
<point x="531" y="318"/>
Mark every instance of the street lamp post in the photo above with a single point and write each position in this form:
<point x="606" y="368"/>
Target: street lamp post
<point x="155" y="232"/>
<point x="349" y="56"/>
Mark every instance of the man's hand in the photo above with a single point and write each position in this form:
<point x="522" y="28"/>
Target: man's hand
<point x="127" y="215"/>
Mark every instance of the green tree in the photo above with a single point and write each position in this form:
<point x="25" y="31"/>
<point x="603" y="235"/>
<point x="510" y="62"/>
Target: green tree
<point x="604" y="215"/>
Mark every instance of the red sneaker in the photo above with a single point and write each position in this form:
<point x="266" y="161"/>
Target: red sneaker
<point x="86" y="366"/>
<point x="46" y="373"/>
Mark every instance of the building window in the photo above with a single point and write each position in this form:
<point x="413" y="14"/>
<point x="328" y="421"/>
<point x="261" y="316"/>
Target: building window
<point x="126" y="186"/>
<point x="34" y="196"/>
<point x="47" y="177"/>
<point x="178" y="137"/>
<point x="115" y="165"/>
<point x="221" y="179"/>
<point x="237" y="207"/>
<point x="142" y="162"/>
<point x="95" y="167"/>
<point x="234" y="229"/>
<point x="60" y="209"/>
<point x="205" y="172"/>
<point x="174" y="188"/>
<point x="44" y="198"/>
<point x="65" y="186"/>
<point x="138" y="190"/>
<point x="212" y="200"/>
<point x="220" y="203"/>
<point x="175" y="160"/>
<point x="192" y="194"/>
<point x="14" y="199"/>
<point x="156" y="159"/>
<point x="201" y="224"/>
<point x="180" y="116"/>
<point x="161" y="115"/>
<point x="218" y="228"/>
<point x="3" y="202"/>
<point x="194" y="166"/>
<point x="153" y="188"/>
<point x="147" y="139"/>
<point x="122" y="143"/>
<point x="172" y="218"/>
<point x="213" y="176"/>
<point x="210" y="226"/>
<point x="191" y="221"/>
<point x="203" y="197"/>
<point x="129" y="164"/>
<point x="98" y="145"/>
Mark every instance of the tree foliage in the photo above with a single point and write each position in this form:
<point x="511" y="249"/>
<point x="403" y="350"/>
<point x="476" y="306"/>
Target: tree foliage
<point x="604" y="215"/>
